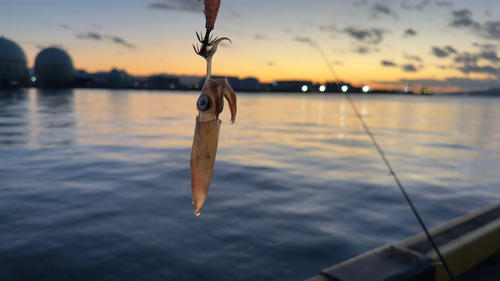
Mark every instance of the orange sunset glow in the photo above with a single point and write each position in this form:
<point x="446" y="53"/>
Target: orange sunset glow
<point x="446" y="46"/>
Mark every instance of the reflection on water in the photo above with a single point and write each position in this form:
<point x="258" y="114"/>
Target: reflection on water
<point x="95" y="184"/>
<point x="41" y="117"/>
<point x="54" y="117"/>
<point x="13" y="123"/>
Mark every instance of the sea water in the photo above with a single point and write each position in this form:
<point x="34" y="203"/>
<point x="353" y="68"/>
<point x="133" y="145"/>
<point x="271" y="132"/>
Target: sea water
<point x="95" y="184"/>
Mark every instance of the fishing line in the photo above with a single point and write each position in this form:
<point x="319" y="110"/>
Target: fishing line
<point x="415" y="212"/>
<point x="222" y="65"/>
<point x="326" y="61"/>
<point x="220" y="59"/>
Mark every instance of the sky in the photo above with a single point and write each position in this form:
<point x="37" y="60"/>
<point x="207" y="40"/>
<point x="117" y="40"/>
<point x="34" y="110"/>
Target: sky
<point x="443" y="45"/>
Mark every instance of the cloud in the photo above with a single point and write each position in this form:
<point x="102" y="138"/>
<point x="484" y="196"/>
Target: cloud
<point x="387" y="63"/>
<point x="409" y="68"/>
<point x="304" y="40"/>
<point x="90" y="35"/>
<point x="179" y="5"/>
<point x="491" y="30"/>
<point x="463" y="18"/>
<point x="415" y="58"/>
<point x="161" y="6"/>
<point x="120" y="41"/>
<point x="360" y="3"/>
<point x="65" y="26"/>
<point x="468" y="63"/>
<point x="379" y="9"/>
<point x="98" y="37"/>
<point x="471" y="59"/>
<point x="444" y="52"/>
<point x="444" y="4"/>
<point x="439" y="52"/>
<point x="479" y="69"/>
<point x="488" y="30"/>
<point x="418" y="7"/>
<point x="260" y="37"/>
<point x="405" y="6"/>
<point x="490" y="56"/>
<point x="362" y="50"/>
<point x="410" y="32"/>
<point x="467" y="58"/>
<point x="369" y="36"/>
<point x="421" y="6"/>
<point x="450" y="50"/>
<point x="329" y="28"/>
<point x="485" y="46"/>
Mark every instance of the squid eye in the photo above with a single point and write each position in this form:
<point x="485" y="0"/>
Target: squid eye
<point x="203" y="103"/>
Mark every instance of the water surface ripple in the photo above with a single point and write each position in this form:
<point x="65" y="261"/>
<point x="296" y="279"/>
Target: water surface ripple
<point x="95" y="184"/>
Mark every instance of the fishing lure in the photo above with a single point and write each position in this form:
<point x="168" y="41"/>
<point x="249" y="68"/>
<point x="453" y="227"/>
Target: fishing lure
<point x="210" y="10"/>
<point x="209" y="105"/>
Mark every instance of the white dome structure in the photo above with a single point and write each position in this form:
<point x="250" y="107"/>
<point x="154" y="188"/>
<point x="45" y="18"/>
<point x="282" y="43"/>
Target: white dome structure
<point x="55" y="67"/>
<point x="13" y="63"/>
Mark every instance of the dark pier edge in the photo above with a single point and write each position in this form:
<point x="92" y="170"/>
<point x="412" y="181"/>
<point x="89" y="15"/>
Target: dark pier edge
<point x="464" y="243"/>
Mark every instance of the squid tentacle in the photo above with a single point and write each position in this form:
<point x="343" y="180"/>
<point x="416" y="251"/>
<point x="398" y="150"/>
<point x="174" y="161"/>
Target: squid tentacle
<point x="230" y="96"/>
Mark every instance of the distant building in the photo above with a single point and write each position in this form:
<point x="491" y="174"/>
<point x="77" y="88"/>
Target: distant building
<point x="333" y="87"/>
<point x="54" y="67"/>
<point x="234" y="82"/>
<point x="341" y="87"/>
<point x="490" y="92"/>
<point x="82" y="79"/>
<point x="98" y="79"/>
<point x="13" y="64"/>
<point x="292" y="86"/>
<point x="163" y="82"/>
<point x="250" y="85"/>
<point x="118" y="79"/>
<point x="245" y="85"/>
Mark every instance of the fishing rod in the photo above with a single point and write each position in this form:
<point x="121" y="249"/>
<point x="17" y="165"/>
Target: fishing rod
<point x="415" y="212"/>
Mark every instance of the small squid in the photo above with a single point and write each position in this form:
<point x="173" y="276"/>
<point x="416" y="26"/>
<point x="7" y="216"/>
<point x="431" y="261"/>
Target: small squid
<point x="206" y="132"/>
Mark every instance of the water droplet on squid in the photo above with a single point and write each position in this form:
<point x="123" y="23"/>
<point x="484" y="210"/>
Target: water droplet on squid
<point x="197" y="214"/>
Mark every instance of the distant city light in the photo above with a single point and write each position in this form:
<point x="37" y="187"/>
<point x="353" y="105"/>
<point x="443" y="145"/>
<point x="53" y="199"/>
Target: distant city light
<point x="322" y="88"/>
<point x="172" y="85"/>
<point x="366" y="89"/>
<point x="33" y="79"/>
<point x="136" y="83"/>
<point x="425" y="92"/>
<point x="344" y="88"/>
<point x="407" y="89"/>
<point x="304" y="88"/>
<point x="275" y="83"/>
<point x="196" y="85"/>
